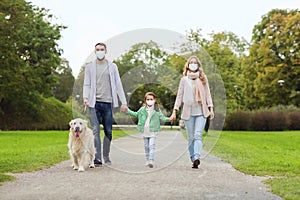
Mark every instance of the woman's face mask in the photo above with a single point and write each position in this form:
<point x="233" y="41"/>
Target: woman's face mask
<point x="193" y="66"/>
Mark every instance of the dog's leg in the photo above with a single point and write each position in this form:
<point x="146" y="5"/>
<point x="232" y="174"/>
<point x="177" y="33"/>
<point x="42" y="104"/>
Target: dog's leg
<point x="82" y="162"/>
<point x="75" y="162"/>
<point x="72" y="159"/>
<point x="92" y="154"/>
<point x="91" y="160"/>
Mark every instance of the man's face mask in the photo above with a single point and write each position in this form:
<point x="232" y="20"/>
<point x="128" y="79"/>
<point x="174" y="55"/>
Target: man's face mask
<point x="100" y="54"/>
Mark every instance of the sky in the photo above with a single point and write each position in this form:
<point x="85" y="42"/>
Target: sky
<point x="93" y="21"/>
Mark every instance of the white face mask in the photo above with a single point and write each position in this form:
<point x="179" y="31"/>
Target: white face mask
<point x="193" y="66"/>
<point x="100" y="54"/>
<point x="150" y="102"/>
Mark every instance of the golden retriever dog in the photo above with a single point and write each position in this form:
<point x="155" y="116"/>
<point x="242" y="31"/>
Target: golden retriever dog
<point x="81" y="145"/>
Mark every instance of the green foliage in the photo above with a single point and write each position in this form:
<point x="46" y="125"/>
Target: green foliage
<point x="29" y="57"/>
<point x="64" y="88"/>
<point x="142" y="54"/>
<point x="274" y="55"/>
<point x="52" y="115"/>
<point x="263" y="120"/>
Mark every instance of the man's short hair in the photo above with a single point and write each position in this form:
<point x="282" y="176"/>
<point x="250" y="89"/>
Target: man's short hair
<point x="101" y="44"/>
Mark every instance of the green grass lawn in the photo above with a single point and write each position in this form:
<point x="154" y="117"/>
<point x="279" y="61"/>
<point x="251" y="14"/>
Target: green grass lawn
<point x="275" y="154"/>
<point x="33" y="150"/>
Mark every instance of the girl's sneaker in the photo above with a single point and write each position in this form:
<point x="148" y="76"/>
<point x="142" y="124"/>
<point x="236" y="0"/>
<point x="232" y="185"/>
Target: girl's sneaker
<point x="147" y="164"/>
<point x="151" y="164"/>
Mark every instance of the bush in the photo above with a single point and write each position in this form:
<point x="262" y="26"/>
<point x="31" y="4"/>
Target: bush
<point x="52" y="115"/>
<point x="237" y="121"/>
<point x="263" y="120"/>
<point x="269" y="121"/>
<point x="294" y="120"/>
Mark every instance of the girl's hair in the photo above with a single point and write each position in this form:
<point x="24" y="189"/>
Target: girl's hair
<point x="200" y="69"/>
<point x="156" y="108"/>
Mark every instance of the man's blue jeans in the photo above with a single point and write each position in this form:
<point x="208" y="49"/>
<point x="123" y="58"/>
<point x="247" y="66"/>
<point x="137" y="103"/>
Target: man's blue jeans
<point x="102" y="113"/>
<point x="194" y="127"/>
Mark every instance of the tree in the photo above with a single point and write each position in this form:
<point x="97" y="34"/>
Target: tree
<point x="149" y="65"/>
<point x="64" y="87"/>
<point x="274" y="55"/>
<point x="29" y="57"/>
<point x="224" y="51"/>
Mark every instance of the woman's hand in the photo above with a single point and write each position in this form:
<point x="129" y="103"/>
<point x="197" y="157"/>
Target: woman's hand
<point x="212" y="114"/>
<point x="173" y="116"/>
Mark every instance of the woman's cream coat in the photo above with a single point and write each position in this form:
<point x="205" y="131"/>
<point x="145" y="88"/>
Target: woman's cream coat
<point x="205" y="99"/>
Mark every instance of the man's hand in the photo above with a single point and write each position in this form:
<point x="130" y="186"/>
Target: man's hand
<point x="124" y="108"/>
<point x="85" y="102"/>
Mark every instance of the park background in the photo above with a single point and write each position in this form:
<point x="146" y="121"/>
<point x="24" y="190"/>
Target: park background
<point x="261" y="76"/>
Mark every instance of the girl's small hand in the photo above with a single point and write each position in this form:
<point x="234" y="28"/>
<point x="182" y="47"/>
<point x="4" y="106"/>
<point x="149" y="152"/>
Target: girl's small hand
<point x="173" y="117"/>
<point x="124" y="108"/>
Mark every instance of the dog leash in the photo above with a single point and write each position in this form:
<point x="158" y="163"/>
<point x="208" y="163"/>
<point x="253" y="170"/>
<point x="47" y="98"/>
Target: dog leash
<point x="84" y="110"/>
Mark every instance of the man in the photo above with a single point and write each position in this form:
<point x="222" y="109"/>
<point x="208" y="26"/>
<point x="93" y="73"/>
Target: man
<point x="101" y="88"/>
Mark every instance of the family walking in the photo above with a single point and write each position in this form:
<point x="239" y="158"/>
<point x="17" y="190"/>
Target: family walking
<point x="103" y="88"/>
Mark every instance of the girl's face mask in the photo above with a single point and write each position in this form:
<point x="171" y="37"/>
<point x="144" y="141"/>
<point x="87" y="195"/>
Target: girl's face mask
<point x="150" y="102"/>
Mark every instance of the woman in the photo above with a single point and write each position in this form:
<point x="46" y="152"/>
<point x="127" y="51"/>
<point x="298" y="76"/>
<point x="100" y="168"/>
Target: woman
<point x="195" y="95"/>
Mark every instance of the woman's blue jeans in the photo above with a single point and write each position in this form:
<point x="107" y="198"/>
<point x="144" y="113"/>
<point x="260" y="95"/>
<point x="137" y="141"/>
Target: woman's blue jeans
<point x="102" y="112"/>
<point x="194" y="127"/>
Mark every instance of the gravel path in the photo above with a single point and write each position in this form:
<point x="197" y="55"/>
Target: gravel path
<point x="128" y="178"/>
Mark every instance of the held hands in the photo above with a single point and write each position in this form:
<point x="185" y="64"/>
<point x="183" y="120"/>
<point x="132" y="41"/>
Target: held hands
<point x="124" y="108"/>
<point x="173" y="116"/>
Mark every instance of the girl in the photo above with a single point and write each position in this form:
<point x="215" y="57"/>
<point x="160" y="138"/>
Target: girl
<point x="194" y="92"/>
<point x="149" y="117"/>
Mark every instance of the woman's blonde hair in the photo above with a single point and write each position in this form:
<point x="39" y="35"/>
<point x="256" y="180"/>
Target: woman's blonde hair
<point x="200" y="69"/>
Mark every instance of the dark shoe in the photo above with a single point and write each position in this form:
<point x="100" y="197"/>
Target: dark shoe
<point x="151" y="163"/>
<point x="196" y="163"/>
<point x="107" y="161"/>
<point x="97" y="163"/>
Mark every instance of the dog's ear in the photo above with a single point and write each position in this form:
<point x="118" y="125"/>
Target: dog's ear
<point x="71" y="123"/>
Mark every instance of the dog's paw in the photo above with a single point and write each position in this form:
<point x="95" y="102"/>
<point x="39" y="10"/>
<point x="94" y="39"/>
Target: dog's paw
<point x="75" y="167"/>
<point x="92" y="165"/>
<point x="81" y="169"/>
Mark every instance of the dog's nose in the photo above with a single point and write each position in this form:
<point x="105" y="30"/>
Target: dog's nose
<point x="77" y="129"/>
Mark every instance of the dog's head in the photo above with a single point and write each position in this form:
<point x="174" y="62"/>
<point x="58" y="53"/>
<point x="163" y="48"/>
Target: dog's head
<point x="77" y="126"/>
